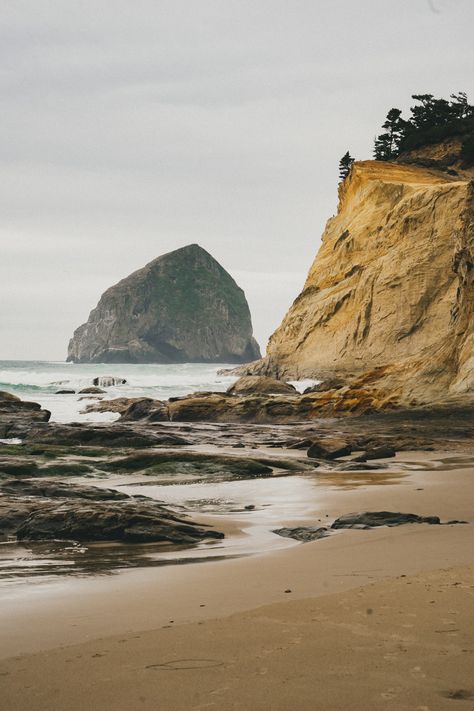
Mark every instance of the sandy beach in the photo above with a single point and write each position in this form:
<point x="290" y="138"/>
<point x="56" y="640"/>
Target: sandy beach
<point x="379" y="618"/>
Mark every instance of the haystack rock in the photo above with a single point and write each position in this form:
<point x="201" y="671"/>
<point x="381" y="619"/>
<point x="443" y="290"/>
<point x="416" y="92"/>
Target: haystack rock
<point x="389" y="299"/>
<point x="181" y="307"/>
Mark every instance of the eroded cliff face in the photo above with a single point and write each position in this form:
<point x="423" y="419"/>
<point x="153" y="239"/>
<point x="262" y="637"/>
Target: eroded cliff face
<point x="181" y="307"/>
<point x="388" y="301"/>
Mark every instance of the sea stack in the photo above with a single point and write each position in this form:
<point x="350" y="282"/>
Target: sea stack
<point x="181" y="307"/>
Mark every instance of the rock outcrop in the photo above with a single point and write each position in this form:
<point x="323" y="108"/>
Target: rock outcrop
<point x="16" y="416"/>
<point x="388" y="304"/>
<point x="181" y="307"/>
<point x="260" y="385"/>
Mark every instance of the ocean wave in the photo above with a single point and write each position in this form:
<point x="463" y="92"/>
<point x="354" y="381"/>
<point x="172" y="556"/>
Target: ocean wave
<point x="23" y="387"/>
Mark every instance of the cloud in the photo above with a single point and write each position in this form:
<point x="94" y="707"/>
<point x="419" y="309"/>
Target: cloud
<point x="132" y="129"/>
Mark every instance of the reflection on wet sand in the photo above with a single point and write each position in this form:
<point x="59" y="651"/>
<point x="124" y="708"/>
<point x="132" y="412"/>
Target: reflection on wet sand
<point x="353" y="480"/>
<point x="20" y="562"/>
<point x="248" y="510"/>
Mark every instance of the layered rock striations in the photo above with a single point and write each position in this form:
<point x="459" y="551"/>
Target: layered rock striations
<point x="181" y="307"/>
<point x="388" y="302"/>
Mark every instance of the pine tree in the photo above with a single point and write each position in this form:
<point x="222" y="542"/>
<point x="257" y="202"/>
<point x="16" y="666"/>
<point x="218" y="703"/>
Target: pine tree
<point x="387" y="144"/>
<point x="430" y="120"/>
<point x="345" y="164"/>
<point x="382" y="147"/>
<point x="460" y="106"/>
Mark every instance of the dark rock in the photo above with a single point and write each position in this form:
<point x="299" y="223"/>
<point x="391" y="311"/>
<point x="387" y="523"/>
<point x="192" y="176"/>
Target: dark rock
<point x="181" y="307"/>
<point x="260" y="385"/>
<point x="16" y="416"/>
<point x="383" y="452"/>
<point x="358" y="466"/>
<point x="325" y="385"/>
<point x="372" y="519"/>
<point x="301" y="444"/>
<point x="128" y="521"/>
<point x="190" y="464"/>
<point x="93" y="390"/>
<point x="13" y="512"/>
<point x="65" y="392"/>
<point x="108" y="381"/>
<point x="148" y="410"/>
<point x="58" y="489"/>
<point x="18" y="466"/>
<point x="102" y="435"/>
<point x="118" y="404"/>
<point x="303" y="533"/>
<point x="222" y="407"/>
<point x="329" y="448"/>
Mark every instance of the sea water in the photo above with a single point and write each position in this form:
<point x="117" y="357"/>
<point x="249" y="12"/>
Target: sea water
<point x="40" y="381"/>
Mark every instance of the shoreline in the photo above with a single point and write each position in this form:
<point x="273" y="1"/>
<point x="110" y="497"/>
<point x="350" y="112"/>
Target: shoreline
<point x="74" y="610"/>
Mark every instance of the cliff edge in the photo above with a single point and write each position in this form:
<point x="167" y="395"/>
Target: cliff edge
<point x="389" y="298"/>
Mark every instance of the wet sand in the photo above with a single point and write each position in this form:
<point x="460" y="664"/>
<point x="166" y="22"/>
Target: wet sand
<point x="227" y="635"/>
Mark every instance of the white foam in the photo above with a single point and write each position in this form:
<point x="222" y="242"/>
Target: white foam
<point x="301" y="385"/>
<point x="39" y="381"/>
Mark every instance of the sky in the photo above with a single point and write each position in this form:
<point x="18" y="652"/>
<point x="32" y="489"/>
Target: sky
<point x="129" y="129"/>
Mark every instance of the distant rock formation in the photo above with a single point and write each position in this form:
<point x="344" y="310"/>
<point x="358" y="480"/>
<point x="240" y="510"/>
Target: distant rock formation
<point x="389" y="300"/>
<point x="181" y="307"/>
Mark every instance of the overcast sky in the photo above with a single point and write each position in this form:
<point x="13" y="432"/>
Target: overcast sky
<point x="132" y="128"/>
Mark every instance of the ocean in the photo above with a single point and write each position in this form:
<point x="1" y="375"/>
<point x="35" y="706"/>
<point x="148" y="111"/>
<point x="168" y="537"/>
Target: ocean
<point x="272" y="499"/>
<point x="39" y="381"/>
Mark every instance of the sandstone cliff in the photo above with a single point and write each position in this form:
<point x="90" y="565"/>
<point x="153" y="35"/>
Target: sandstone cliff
<point x="181" y="307"/>
<point x="388" y="302"/>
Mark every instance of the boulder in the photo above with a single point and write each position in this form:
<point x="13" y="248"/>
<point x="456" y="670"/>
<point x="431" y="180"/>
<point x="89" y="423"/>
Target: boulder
<point x="303" y="533"/>
<point x="118" y="404"/>
<point x="300" y="444"/>
<point x="65" y="392"/>
<point x="323" y="386"/>
<point x="148" y="410"/>
<point x="108" y="381"/>
<point x="92" y="390"/>
<point x="260" y="385"/>
<point x="329" y="448"/>
<point x="383" y="452"/>
<point x="129" y="521"/>
<point x="373" y="519"/>
<point x="16" y="416"/>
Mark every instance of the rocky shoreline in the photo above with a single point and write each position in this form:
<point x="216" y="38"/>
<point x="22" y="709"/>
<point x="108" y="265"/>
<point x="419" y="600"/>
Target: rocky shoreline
<point x="40" y="499"/>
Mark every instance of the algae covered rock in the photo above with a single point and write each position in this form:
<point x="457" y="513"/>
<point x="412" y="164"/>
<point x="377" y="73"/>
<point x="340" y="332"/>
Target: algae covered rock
<point x="181" y="307"/>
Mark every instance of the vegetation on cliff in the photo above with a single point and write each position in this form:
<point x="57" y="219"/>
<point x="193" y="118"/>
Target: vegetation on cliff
<point x="432" y="120"/>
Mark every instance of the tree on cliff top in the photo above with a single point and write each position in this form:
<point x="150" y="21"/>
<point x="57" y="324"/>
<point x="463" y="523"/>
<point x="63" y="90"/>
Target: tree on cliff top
<point x="431" y="120"/>
<point x="387" y="145"/>
<point x="345" y="164"/>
